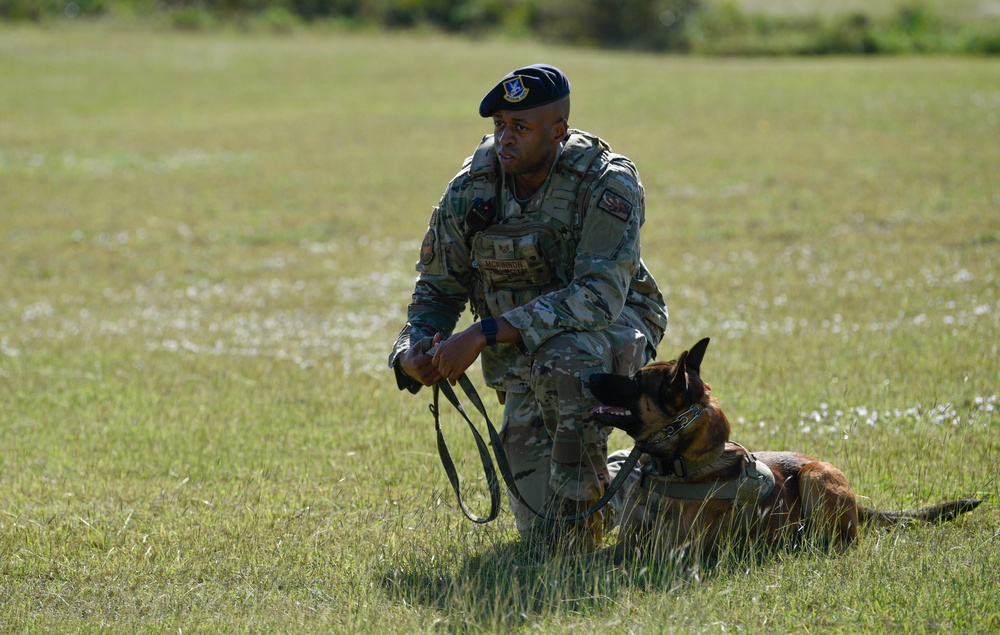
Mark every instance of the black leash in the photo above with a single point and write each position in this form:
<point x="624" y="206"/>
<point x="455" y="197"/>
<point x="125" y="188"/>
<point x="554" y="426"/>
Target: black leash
<point x="501" y="459"/>
<point x="484" y="453"/>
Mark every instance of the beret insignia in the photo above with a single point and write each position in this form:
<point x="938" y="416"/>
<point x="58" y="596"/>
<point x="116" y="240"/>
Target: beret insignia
<point x="514" y="90"/>
<point x="526" y="88"/>
<point x="615" y="205"/>
<point x="427" y="248"/>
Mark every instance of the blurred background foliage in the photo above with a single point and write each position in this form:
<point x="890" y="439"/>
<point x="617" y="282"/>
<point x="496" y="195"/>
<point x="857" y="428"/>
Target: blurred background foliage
<point x="711" y="27"/>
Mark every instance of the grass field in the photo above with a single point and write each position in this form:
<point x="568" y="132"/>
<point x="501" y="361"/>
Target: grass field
<point x="207" y="247"/>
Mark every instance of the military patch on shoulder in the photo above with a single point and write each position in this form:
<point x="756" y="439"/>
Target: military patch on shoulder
<point x="615" y="205"/>
<point x="427" y="248"/>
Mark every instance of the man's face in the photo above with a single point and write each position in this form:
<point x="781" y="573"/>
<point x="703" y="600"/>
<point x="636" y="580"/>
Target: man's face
<point x="526" y="140"/>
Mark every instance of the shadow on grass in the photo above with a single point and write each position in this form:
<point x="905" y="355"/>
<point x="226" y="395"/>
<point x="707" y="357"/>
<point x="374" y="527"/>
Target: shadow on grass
<point x="507" y="584"/>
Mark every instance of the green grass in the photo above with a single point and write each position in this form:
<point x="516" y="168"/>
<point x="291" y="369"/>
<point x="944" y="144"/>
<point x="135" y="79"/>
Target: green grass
<point x="207" y="249"/>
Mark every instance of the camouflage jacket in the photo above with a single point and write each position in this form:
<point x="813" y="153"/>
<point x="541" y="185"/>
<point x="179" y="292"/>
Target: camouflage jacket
<point x="583" y="225"/>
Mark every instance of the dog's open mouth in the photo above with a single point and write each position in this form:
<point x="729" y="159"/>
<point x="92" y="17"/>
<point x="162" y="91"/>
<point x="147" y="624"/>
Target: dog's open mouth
<point x="614" y="393"/>
<point x="612" y="415"/>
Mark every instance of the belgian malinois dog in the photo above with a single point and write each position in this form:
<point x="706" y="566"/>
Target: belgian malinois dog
<point x="699" y="489"/>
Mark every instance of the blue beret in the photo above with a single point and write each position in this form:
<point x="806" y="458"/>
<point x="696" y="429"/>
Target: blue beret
<point x="525" y="88"/>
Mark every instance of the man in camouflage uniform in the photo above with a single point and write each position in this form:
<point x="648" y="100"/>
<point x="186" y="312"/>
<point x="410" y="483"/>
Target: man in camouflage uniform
<point x="539" y="232"/>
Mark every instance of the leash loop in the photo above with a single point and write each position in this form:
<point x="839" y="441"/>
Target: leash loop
<point x="449" y="465"/>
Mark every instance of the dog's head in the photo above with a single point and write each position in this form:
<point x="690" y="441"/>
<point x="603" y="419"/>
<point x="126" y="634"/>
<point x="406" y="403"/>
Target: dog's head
<point x="652" y="400"/>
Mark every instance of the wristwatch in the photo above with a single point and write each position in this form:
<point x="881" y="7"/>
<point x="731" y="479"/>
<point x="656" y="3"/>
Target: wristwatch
<point x="489" y="328"/>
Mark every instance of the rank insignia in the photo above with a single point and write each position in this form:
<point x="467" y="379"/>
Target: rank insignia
<point x="514" y="90"/>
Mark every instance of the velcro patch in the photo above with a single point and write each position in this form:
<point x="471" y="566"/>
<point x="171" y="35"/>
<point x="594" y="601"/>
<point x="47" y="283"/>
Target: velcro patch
<point x="505" y="246"/>
<point x="513" y="269"/>
<point x="427" y="248"/>
<point x="615" y="205"/>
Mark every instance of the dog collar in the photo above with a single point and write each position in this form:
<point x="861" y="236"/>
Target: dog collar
<point x="682" y="421"/>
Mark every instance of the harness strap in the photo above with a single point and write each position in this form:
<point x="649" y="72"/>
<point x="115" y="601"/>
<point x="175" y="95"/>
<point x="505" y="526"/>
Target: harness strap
<point x="482" y="171"/>
<point x="579" y="154"/>
<point x="679" y="466"/>
<point x="501" y="460"/>
<point x="755" y="483"/>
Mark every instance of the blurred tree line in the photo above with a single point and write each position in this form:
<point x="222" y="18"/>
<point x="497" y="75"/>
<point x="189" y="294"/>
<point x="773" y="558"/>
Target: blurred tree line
<point x="714" y="27"/>
<point x="644" y="24"/>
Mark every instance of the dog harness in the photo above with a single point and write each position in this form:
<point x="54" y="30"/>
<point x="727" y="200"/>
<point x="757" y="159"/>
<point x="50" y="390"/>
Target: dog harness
<point x="755" y="483"/>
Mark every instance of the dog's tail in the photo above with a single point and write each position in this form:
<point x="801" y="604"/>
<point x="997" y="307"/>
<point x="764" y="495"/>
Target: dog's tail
<point x="933" y="514"/>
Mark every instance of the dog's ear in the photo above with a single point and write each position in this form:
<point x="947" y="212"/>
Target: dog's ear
<point x="695" y="356"/>
<point x="679" y="382"/>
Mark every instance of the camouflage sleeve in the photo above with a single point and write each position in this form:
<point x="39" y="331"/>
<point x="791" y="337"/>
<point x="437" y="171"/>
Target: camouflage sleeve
<point x="606" y="260"/>
<point x="444" y="270"/>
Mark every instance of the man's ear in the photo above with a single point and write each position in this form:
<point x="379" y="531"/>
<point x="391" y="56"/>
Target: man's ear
<point x="560" y="130"/>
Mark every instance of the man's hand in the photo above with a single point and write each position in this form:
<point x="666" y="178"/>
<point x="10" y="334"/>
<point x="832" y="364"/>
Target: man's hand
<point x="418" y="365"/>
<point x="452" y="356"/>
<point x="457" y="353"/>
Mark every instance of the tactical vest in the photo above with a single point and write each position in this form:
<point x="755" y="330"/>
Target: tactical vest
<point x="520" y="257"/>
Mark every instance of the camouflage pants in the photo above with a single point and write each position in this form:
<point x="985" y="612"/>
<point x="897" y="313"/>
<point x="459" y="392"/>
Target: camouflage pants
<point x="556" y="450"/>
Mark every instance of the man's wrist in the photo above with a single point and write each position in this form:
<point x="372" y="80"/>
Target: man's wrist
<point x="489" y="328"/>
<point x="403" y="380"/>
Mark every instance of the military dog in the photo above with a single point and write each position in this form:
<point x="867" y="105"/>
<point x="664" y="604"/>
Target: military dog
<point x="699" y="489"/>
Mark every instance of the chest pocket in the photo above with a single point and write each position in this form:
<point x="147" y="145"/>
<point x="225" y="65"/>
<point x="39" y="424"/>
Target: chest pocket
<point x="517" y="256"/>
